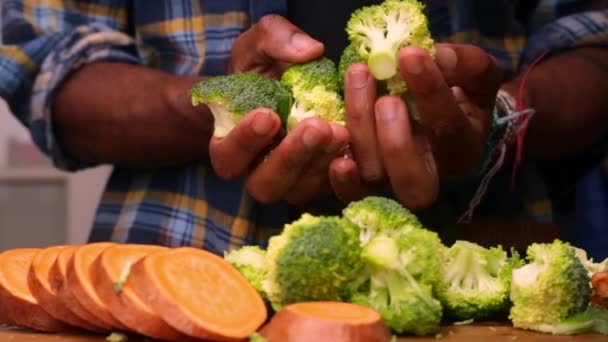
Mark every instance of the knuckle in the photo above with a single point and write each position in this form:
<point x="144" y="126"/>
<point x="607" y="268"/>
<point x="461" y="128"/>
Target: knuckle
<point x="372" y="173"/>
<point x="260" y="193"/>
<point x="267" y="23"/>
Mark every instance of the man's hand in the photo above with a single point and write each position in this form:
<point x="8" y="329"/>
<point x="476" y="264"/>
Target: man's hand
<point x="271" y="45"/>
<point x="297" y="168"/>
<point x="454" y="95"/>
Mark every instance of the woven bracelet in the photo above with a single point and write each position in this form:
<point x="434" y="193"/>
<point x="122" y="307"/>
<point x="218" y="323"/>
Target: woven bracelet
<point x="508" y="122"/>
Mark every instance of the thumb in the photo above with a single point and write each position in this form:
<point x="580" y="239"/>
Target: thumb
<point x="274" y="39"/>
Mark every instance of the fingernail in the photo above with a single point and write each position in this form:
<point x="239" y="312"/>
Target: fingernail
<point x="358" y="79"/>
<point x="446" y="57"/>
<point x="262" y="123"/>
<point x="302" y="42"/>
<point x="414" y="64"/>
<point x="387" y="110"/>
<point x="311" y="138"/>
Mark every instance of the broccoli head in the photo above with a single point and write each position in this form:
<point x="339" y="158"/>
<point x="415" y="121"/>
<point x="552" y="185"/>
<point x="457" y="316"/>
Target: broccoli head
<point x="375" y="214"/>
<point x="231" y="97"/>
<point x="251" y="262"/>
<point x="315" y="90"/>
<point x="379" y="31"/>
<point x="403" y="269"/>
<point x="314" y="258"/>
<point x="550" y="289"/>
<point x="475" y="281"/>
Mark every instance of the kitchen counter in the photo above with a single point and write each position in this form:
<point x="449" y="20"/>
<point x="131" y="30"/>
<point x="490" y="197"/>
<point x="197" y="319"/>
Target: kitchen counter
<point x="474" y="332"/>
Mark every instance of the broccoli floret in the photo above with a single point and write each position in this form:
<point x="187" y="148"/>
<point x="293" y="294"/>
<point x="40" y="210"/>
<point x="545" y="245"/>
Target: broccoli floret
<point x="251" y="262"/>
<point x="475" y="281"/>
<point x="550" y="289"/>
<point x="403" y="270"/>
<point x="231" y="97"/>
<point x="375" y="214"/>
<point x="315" y="87"/>
<point x="314" y="258"/>
<point x="379" y="31"/>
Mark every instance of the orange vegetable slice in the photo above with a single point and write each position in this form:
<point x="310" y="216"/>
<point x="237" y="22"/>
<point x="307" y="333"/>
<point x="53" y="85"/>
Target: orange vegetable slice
<point x="17" y="303"/>
<point x="81" y="285"/>
<point x="110" y="273"/>
<point x="199" y="294"/>
<point x="326" y="322"/>
<point x="59" y="284"/>
<point x="40" y="286"/>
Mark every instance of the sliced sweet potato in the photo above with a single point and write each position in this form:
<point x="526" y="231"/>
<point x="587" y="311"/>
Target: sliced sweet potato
<point x="199" y="294"/>
<point x="40" y="286"/>
<point x="16" y="300"/>
<point x="600" y="284"/>
<point x="109" y="273"/>
<point x="81" y="285"/>
<point x="58" y="281"/>
<point x="326" y="322"/>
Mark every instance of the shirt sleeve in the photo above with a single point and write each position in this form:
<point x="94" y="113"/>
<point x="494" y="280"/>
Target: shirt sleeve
<point x="566" y="29"/>
<point x="43" y="42"/>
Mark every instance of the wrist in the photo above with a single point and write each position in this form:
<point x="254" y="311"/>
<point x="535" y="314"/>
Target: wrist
<point x="196" y="120"/>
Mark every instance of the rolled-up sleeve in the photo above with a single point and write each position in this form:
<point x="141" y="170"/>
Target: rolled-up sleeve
<point x="585" y="28"/>
<point x="43" y="45"/>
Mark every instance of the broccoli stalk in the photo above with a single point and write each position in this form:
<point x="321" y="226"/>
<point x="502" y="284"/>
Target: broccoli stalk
<point x="398" y="287"/>
<point x="475" y="281"/>
<point x="379" y="31"/>
<point x="231" y="97"/>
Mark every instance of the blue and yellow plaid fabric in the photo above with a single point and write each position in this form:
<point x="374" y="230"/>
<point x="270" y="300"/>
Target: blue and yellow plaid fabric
<point x="44" y="41"/>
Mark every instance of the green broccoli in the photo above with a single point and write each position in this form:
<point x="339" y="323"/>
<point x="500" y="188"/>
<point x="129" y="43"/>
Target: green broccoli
<point x="315" y="90"/>
<point x="403" y="269"/>
<point x="251" y="262"/>
<point x="231" y="97"/>
<point x="375" y="214"/>
<point x="475" y="281"/>
<point x="552" y="288"/>
<point x="379" y="31"/>
<point x="314" y="258"/>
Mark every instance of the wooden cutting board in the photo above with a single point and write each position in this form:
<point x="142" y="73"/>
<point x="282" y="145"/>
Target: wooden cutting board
<point x="476" y="332"/>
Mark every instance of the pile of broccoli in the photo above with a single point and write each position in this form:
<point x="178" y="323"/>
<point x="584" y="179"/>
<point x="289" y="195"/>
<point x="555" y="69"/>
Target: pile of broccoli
<point x="378" y="254"/>
<point x="376" y="34"/>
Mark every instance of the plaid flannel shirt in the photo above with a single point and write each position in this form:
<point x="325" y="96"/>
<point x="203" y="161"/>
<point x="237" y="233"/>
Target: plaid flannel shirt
<point x="44" y="41"/>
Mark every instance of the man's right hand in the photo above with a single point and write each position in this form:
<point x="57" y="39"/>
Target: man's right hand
<point x="297" y="168"/>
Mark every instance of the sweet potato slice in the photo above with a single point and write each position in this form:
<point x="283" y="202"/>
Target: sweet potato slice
<point x="326" y="322"/>
<point x="110" y="272"/>
<point x="58" y="282"/>
<point x="600" y="284"/>
<point x="40" y="286"/>
<point x="81" y="285"/>
<point x="199" y="294"/>
<point x="16" y="300"/>
<point x="600" y="289"/>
